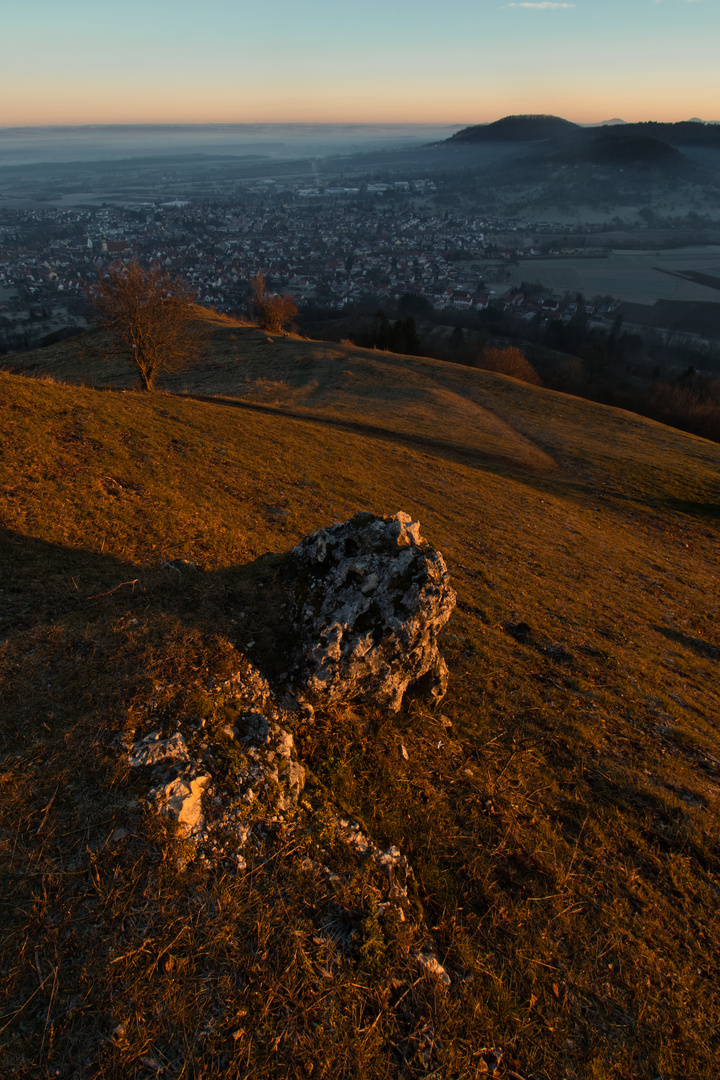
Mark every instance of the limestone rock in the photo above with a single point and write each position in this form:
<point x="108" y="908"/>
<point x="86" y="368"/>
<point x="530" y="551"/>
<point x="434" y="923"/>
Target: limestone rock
<point x="371" y="596"/>
<point x="272" y="766"/>
<point x="152" y="750"/>
<point x="432" y="966"/>
<point x="181" y="799"/>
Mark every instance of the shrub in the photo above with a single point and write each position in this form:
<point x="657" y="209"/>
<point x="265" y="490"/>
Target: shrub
<point x="691" y="408"/>
<point x="273" y="313"/>
<point x="509" y="361"/>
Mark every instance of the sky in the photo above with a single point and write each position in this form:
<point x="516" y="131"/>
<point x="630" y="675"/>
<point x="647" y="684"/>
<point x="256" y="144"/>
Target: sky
<point x="367" y="61"/>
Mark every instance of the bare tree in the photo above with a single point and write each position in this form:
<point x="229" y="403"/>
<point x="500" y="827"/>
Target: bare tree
<point x="274" y="313"/>
<point x="151" y="318"/>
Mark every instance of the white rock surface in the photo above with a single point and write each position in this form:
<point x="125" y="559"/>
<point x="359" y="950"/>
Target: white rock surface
<point x="181" y="799"/>
<point x="371" y="596"/>
<point x="432" y="966"/>
<point x="152" y="750"/>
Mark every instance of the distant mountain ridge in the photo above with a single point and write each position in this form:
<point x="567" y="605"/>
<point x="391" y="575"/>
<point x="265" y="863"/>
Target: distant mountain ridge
<point x="529" y="127"/>
<point x="648" y="143"/>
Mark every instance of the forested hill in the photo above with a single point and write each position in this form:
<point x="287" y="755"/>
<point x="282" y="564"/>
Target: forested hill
<point x="523" y="128"/>
<point x="536" y="128"/>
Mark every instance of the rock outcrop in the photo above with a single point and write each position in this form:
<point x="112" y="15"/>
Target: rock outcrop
<point x="371" y="596"/>
<point x="181" y="780"/>
<point x="268" y="776"/>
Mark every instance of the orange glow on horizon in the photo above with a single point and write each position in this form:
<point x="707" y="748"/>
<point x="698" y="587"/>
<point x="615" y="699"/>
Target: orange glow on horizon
<point x="162" y="105"/>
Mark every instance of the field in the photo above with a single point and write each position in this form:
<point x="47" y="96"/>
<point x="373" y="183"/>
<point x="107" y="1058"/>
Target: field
<point x="559" y="809"/>
<point x="638" y="277"/>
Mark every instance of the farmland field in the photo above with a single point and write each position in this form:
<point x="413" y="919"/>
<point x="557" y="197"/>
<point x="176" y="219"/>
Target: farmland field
<point x="638" y="277"/>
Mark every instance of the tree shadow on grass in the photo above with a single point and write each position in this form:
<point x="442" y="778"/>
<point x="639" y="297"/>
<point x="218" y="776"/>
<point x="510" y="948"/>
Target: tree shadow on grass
<point x="94" y="649"/>
<point x="46" y="583"/>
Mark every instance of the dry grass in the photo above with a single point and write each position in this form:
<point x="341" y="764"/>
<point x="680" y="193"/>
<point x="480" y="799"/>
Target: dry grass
<point x="563" y="832"/>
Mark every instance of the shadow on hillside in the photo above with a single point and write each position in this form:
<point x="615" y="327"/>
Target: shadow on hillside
<point x="450" y="451"/>
<point x="543" y="477"/>
<point x="694" y="509"/>
<point x="696" y="645"/>
<point x="47" y="584"/>
<point x="93" y="647"/>
<point x="43" y="581"/>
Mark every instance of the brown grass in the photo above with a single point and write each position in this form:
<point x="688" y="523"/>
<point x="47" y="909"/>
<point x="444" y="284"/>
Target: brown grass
<point x="563" y="831"/>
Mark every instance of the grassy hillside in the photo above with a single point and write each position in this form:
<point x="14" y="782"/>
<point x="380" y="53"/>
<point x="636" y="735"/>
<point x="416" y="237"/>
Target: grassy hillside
<point x="559" y="810"/>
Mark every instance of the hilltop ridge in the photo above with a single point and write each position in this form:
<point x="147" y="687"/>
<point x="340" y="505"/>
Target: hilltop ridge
<point x="525" y="127"/>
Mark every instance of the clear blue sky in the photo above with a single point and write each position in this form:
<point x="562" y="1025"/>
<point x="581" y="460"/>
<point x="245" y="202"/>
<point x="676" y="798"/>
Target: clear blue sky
<point x="457" y="61"/>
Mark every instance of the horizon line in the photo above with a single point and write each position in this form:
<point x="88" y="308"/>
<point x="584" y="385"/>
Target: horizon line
<point x="88" y="125"/>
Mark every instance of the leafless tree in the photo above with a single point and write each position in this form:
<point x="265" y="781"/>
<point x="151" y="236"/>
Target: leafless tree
<point x="151" y="318"/>
<point x="273" y="313"/>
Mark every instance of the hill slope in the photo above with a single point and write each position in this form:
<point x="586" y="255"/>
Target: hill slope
<point x="563" y="830"/>
<point x="535" y="128"/>
<point x="523" y="128"/>
<point x="644" y="145"/>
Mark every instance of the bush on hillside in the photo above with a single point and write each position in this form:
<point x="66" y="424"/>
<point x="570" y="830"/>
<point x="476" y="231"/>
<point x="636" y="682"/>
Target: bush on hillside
<point x="509" y="361"/>
<point x="273" y="313"/>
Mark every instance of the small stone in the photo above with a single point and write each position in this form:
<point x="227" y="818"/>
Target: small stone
<point x="181" y="799"/>
<point x="390" y="859"/>
<point x="403" y="752"/>
<point x="432" y="966"/>
<point x="150" y="1063"/>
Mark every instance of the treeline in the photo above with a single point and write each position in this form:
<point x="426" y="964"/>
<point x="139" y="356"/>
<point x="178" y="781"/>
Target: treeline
<point x="400" y="336"/>
<point x="690" y="403"/>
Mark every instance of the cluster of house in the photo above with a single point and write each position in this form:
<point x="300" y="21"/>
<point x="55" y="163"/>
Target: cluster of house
<point x="333" y="250"/>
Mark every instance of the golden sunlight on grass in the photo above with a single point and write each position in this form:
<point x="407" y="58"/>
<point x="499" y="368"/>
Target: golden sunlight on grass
<point x="560" y="809"/>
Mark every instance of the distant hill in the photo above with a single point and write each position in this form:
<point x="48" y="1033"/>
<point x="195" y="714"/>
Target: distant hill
<point x="613" y="146"/>
<point x="684" y="133"/>
<point x="523" y="128"/>
<point x="614" y="142"/>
